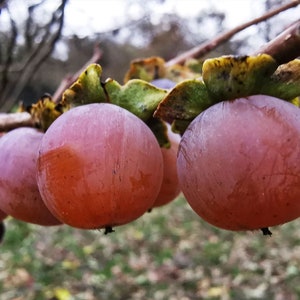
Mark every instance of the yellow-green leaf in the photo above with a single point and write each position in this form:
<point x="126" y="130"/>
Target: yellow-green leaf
<point x="296" y="101"/>
<point x="62" y="294"/>
<point x="160" y="130"/>
<point x="231" y="77"/>
<point x="138" y="96"/>
<point x="45" y="111"/>
<point x="87" y="88"/>
<point x="178" y="73"/>
<point x="184" y="102"/>
<point x="146" y="69"/>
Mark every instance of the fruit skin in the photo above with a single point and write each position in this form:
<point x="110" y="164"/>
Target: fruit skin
<point x="170" y="185"/>
<point x="3" y="215"/>
<point x="19" y="194"/>
<point x="239" y="163"/>
<point x="99" y="166"/>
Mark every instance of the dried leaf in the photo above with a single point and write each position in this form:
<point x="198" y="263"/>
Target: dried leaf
<point x="146" y="69"/>
<point x="45" y="111"/>
<point x="179" y="73"/>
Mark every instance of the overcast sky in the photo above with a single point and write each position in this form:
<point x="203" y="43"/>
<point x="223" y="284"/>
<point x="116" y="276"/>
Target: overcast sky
<point x="103" y="15"/>
<point x="95" y="16"/>
<point x="85" y="17"/>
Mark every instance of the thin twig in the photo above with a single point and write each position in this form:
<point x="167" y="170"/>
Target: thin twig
<point x="68" y="80"/>
<point x="41" y="52"/>
<point x="201" y="50"/>
<point x="9" y="121"/>
<point x="9" y="53"/>
<point x="30" y="29"/>
<point x="15" y="120"/>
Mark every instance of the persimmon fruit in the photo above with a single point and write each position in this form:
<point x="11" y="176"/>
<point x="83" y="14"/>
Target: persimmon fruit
<point x="99" y="166"/>
<point x="19" y="193"/>
<point x="239" y="163"/>
<point x="170" y="185"/>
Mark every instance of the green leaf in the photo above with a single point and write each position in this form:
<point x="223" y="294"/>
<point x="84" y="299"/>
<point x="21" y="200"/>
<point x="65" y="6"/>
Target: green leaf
<point x="178" y="73"/>
<point x="138" y="96"/>
<point x="184" y="102"/>
<point x="285" y="82"/>
<point x="87" y="88"/>
<point x="160" y="130"/>
<point x="231" y="77"/>
<point x="179" y="126"/>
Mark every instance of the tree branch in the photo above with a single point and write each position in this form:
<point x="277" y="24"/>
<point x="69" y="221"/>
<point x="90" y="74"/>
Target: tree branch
<point x="208" y="46"/>
<point x="285" y="46"/>
<point x="38" y="56"/>
<point x="30" y="28"/>
<point x="15" y="120"/>
<point x="9" y="52"/>
<point x="68" y="80"/>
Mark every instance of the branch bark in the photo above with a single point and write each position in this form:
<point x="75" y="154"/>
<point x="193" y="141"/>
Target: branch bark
<point x="285" y="46"/>
<point x="15" y="120"/>
<point x="201" y="50"/>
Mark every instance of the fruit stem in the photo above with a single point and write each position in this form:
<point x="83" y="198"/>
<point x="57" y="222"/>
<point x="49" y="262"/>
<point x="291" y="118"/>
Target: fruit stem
<point x="266" y="231"/>
<point x="108" y="229"/>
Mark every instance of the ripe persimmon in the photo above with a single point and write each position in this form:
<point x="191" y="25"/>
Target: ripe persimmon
<point x="19" y="194"/>
<point x="99" y="166"/>
<point x="239" y="163"/>
<point x="170" y="185"/>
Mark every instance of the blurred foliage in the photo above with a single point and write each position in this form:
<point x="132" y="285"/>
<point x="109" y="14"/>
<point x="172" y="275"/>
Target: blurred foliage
<point x="169" y="253"/>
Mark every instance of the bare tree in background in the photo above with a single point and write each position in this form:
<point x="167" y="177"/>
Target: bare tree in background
<point x="19" y="63"/>
<point x="27" y="70"/>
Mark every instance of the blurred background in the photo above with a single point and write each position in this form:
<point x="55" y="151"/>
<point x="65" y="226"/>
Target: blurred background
<point x="43" y="41"/>
<point x="170" y="253"/>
